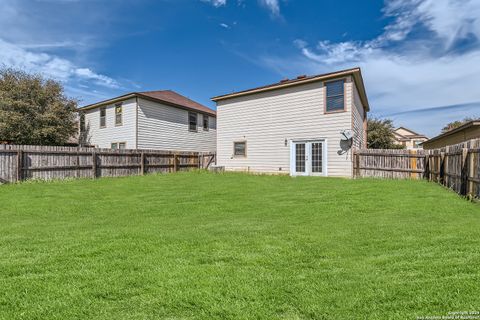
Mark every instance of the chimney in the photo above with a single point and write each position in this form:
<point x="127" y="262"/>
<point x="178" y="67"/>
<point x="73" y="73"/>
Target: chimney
<point x="303" y="76"/>
<point x="284" y="80"/>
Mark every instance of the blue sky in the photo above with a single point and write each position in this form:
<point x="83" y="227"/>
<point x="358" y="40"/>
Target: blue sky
<point x="420" y="58"/>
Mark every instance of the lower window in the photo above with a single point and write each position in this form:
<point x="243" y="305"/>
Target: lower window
<point x="118" y="145"/>
<point x="240" y="149"/>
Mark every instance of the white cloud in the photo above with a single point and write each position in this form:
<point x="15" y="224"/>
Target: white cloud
<point x="447" y="20"/>
<point x="224" y="25"/>
<point x="272" y="5"/>
<point x="216" y="3"/>
<point x="49" y="65"/>
<point x="403" y="69"/>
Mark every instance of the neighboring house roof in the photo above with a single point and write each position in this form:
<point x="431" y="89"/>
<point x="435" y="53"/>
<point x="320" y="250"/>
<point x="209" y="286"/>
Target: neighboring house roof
<point x="413" y="134"/>
<point x="406" y="129"/>
<point x="355" y="72"/>
<point x="399" y="137"/>
<point x="467" y="125"/>
<point x="167" y="97"/>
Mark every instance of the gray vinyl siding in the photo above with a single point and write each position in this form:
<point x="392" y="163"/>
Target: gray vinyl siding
<point x="163" y="127"/>
<point x="358" y="117"/>
<point x="265" y="120"/>
<point x="103" y="137"/>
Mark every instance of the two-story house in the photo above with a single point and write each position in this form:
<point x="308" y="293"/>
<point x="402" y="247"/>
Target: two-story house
<point x="305" y="126"/>
<point x="161" y="120"/>
<point x="408" y="138"/>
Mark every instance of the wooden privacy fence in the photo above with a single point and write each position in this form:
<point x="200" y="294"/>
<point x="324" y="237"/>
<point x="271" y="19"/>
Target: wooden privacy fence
<point x="456" y="167"/>
<point x="19" y="163"/>
<point x="389" y="163"/>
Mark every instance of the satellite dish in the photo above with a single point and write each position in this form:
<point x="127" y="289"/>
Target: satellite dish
<point x="347" y="135"/>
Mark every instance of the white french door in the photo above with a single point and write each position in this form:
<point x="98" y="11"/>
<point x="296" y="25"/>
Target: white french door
<point x="308" y="158"/>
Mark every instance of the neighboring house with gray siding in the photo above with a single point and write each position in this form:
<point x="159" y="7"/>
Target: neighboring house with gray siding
<point x="304" y="126"/>
<point x="161" y="120"/>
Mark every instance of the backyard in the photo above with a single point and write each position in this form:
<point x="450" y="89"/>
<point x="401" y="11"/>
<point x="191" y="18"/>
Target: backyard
<point x="233" y="246"/>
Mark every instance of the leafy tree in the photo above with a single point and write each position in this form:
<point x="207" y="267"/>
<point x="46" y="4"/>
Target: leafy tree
<point x="380" y="134"/>
<point x="34" y="110"/>
<point x="456" y="124"/>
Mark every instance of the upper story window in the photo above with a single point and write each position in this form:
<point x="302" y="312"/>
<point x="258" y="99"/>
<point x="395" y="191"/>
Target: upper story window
<point x="118" y="114"/>
<point x="192" y="121"/>
<point x="103" y="117"/>
<point x="205" y="122"/>
<point x="335" y="96"/>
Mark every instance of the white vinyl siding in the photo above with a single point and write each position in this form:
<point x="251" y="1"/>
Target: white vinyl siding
<point x="359" y="133"/>
<point x="104" y="137"/>
<point x="163" y="127"/>
<point x="266" y="120"/>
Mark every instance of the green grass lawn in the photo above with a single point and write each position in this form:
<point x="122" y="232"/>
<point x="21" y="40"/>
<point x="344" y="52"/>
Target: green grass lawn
<point x="233" y="246"/>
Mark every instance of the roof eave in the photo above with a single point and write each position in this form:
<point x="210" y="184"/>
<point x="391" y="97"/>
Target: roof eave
<point x="109" y="101"/>
<point x="448" y="133"/>
<point x="355" y="72"/>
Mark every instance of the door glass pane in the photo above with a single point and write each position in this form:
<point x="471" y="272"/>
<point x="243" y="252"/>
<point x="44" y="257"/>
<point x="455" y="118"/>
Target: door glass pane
<point x="317" y="157"/>
<point x="300" y="157"/>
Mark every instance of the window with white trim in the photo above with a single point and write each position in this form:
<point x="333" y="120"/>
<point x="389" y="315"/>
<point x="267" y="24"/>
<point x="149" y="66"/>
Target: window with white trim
<point x="118" y="145"/>
<point x="103" y="117"/>
<point x="192" y="121"/>
<point x="335" y="96"/>
<point x="118" y="114"/>
<point x="205" y="122"/>
<point x="240" y="149"/>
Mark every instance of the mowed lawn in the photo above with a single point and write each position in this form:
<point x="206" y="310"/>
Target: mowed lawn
<point x="233" y="246"/>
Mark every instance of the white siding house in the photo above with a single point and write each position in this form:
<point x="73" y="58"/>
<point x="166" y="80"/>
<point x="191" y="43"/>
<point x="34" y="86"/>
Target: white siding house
<point x="292" y="127"/>
<point x="161" y="120"/>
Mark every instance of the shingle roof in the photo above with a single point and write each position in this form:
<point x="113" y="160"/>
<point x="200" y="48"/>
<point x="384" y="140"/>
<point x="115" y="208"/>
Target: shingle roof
<point x="177" y="99"/>
<point x="168" y="97"/>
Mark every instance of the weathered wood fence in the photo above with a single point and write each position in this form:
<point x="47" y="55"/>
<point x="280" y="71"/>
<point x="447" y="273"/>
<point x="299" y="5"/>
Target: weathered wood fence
<point x="19" y="162"/>
<point x="456" y="167"/>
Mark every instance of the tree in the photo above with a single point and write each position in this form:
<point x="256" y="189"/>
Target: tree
<point x="380" y="134"/>
<point x="456" y="124"/>
<point x="35" y="110"/>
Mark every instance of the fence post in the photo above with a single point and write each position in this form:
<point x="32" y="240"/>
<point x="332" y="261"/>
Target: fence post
<point x="413" y="163"/>
<point x="142" y="163"/>
<point x="356" y="171"/>
<point x="77" y="164"/>
<point x="464" y="173"/>
<point x="19" y="165"/>
<point x="471" y="168"/>
<point x="175" y="167"/>
<point x="441" y="168"/>
<point x="426" y="166"/>
<point x="94" y="165"/>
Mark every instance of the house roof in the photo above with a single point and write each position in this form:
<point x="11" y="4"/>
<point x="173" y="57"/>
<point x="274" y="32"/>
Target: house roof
<point x="448" y="133"/>
<point x="355" y="72"/>
<point x="167" y="97"/>
<point x="399" y="137"/>
<point x="413" y="134"/>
